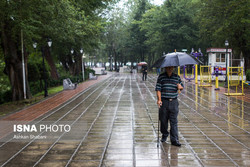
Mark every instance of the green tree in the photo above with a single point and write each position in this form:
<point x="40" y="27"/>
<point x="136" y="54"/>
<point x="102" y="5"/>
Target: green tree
<point x="70" y="24"/>
<point x="15" y="21"/>
<point x="169" y="27"/>
<point x="221" y="20"/>
<point x="179" y="29"/>
<point x="138" y="36"/>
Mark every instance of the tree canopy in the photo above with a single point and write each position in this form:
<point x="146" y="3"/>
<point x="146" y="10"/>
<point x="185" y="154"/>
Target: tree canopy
<point x="70" y="24"/>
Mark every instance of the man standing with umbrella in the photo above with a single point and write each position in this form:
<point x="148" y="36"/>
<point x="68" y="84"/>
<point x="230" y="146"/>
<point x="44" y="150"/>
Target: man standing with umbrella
<point x="167" y="87"/>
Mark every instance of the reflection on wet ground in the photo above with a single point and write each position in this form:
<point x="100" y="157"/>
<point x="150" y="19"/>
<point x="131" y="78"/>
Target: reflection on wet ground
<point x="121" y="119"/>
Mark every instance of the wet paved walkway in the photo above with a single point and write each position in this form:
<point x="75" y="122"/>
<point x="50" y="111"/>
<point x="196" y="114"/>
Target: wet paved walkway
<point x="119" y="120"/>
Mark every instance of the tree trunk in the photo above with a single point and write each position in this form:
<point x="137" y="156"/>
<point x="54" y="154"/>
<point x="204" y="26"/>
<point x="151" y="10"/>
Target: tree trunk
<point x="49" y="59"/>
<point x="78" y="62"/>
<point x="115" y="59"/>
<point x="71" y="65"/>
<point x="13" y="64"/>
<point x="247" y="61"/>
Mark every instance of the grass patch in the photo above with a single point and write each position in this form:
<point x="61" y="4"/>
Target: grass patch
<point x="51" y="91"/>
<point x="221" y="84"/>
<point x="9" y="107"/>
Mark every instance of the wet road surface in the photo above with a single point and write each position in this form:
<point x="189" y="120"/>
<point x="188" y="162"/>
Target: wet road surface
<point x="114" y="123"/>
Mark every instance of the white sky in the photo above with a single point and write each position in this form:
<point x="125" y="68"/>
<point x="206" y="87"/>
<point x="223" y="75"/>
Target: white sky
<point x="157" y="2"/>
<point x="121" y="3"/>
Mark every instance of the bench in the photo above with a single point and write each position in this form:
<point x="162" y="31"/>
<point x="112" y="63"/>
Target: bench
<point x="103" y="72"/>
<point x="97" y="70"/>
<point x="92" y="77"/>
<point x="68" y="85"/>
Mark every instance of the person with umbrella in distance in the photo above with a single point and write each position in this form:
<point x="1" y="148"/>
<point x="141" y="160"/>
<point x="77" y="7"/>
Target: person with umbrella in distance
<point x="144" y="72"/>
<point x="167" y="88"/>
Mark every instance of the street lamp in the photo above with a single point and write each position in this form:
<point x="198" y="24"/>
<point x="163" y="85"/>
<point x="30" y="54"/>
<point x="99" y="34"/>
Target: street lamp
<point x="226" y="44"/>
<point x="34" y="45"/>
<point x="72" y="51"/>
<point x="49" y="42"/>
<point x="81" y="51"/>
<point x="44" y="77"/>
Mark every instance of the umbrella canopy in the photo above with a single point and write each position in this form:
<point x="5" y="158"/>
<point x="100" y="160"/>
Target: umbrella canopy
<point x="142" y="63"/>
<point x="175" y="59"/>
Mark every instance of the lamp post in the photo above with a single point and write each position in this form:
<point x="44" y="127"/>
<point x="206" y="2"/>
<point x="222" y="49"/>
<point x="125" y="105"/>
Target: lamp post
<point x="23" y="67"/>
<point x="44" y="77"/>
<point x="81" y="51"/>
<point x="72" y="52"/>
<point x="226" y="44"/>
<point x="34" y="45"/>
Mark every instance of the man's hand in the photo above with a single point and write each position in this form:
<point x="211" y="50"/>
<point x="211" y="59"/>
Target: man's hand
<point x="159" y="103"/>
<point x="179" y="87"/>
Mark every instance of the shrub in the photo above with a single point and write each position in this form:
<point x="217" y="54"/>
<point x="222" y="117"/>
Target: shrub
<point x="33" y="71"/>
<point x="87" y="71"/>
<point x="36" y="87"/>
<point x="5" y="96"/>
<point x="248" y="75"/>
<point x="5" y="87"/>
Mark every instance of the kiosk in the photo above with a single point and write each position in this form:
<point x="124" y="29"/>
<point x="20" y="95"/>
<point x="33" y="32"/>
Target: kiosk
<point x="217" y="57"/>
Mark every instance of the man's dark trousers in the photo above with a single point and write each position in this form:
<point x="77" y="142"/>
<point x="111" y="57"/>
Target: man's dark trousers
<point x="169" y="111"/>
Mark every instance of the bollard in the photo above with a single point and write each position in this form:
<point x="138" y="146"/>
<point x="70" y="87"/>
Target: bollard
<point x="196" y="74"/>
<point x="216" y="78"/>
<point x="217" y="83"/>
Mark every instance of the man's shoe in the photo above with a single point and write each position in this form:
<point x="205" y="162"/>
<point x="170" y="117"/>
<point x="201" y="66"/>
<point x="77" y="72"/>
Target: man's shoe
<point x="176" y="144"/>
<point x="164" y="138"/>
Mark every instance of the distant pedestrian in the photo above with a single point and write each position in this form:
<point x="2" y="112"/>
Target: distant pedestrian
<point x="134" y="69"/>
<point x="144" y="72"/>
<point x="158" y="71"/>
<point x="167" y="87"/>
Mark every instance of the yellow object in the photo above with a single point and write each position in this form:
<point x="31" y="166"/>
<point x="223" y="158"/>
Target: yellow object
<point x="216" y="82"/>
<point x="196" y="74"/>
<point x="205" y="76"/>
<point x="179" y="71"/>
<point x="235" y="78"/>
<point x="196" y="97"/>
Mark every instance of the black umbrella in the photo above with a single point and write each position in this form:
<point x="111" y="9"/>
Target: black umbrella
<point x="175" y="59"/>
